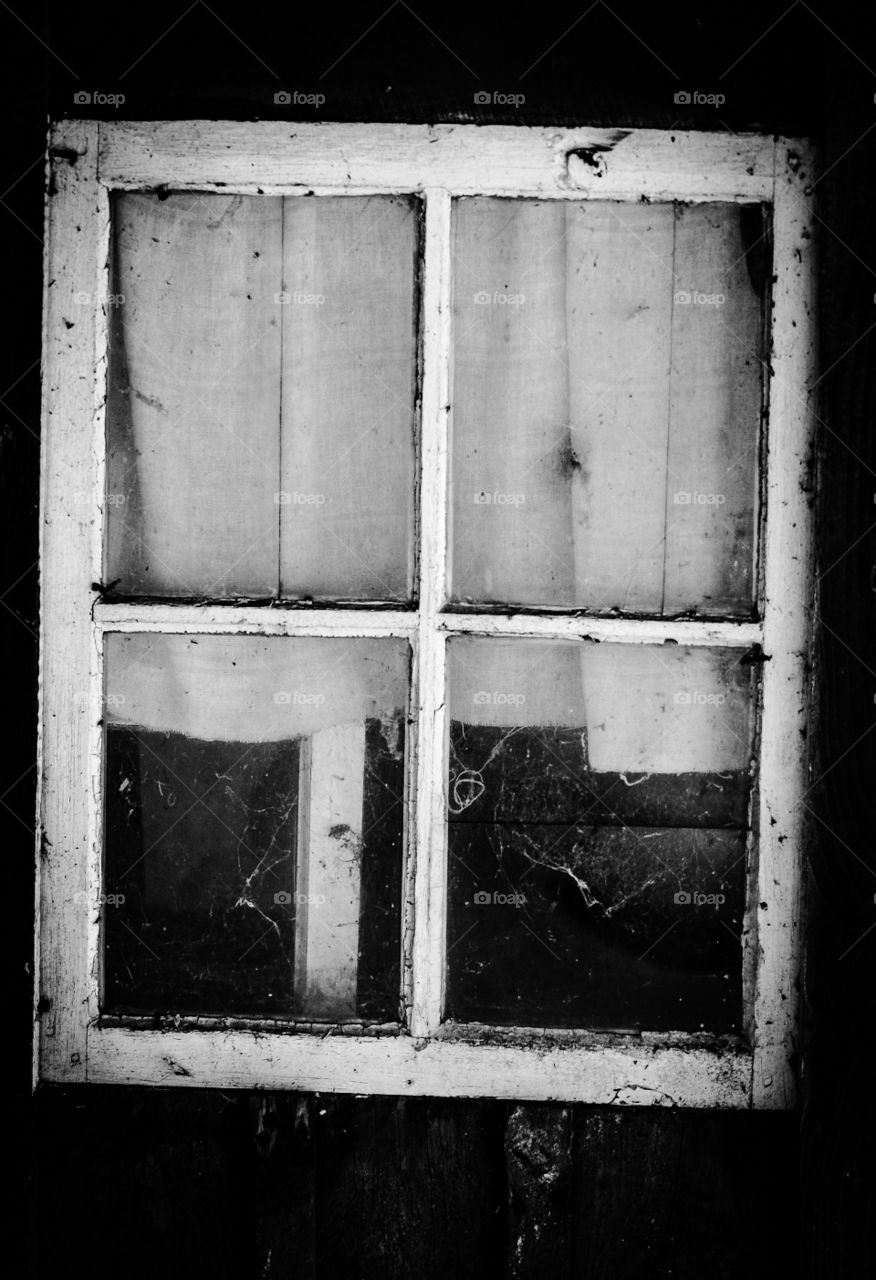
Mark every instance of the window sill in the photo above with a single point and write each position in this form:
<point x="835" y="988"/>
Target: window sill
<point x="628" y="1071"/>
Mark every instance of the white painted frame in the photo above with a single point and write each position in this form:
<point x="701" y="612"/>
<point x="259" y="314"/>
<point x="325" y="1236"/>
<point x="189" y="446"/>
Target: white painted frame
<point x="87" y="160"/>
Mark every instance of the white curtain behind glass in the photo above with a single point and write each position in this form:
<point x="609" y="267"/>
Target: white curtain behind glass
<point x="261" y="396"/>
<point x="606" y="406"/>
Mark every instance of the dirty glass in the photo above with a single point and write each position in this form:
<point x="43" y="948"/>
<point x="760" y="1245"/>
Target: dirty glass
<point x="261" y="393"/>
<point x="597" y="826"/>
<point x="606" y="401"/>
<point x="253" y="825"/>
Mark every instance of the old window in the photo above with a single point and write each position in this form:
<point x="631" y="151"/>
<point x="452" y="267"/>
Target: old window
<point x="426" y="563"/>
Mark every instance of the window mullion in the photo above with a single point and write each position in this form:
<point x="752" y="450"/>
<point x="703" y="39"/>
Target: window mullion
<point x="430" y="827"/>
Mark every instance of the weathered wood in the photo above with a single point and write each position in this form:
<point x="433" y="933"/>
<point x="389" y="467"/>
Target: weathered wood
<point x="538" y="1155"/>
<point x="282" y="1189"/>
<point x="652" y="1071"/>
<point x="235" y="619"/>
<point x="170" y="1172"/>
<point x="430" y="1173"/>
<point x="391" y="157"/>
<point x="659" y="1194"/>
<point x="429" y="879"/>
<point x="74" y="339"/>
<point x="283" y="620"/>
<point x="775" y="923"/>
<point x="591" y="627"/>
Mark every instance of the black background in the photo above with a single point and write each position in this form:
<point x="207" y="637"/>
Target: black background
<point x="158" y="1183"/>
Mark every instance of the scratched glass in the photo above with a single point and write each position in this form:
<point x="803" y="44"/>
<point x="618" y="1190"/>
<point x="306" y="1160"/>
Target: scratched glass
<point x="597" y="828"/>
<point x="261" y="396"/>
<point x="253" y="826"/>
<point x="607" y="398"/>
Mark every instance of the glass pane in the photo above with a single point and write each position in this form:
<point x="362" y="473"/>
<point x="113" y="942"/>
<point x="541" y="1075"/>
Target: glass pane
<point x="597" y="824"/>
<point x="261" y="396"/>
<point x="606" y="403"/>
<point x="254" y="825"/>
<point x="193" y="397"/>
<point x="349" y="387"/>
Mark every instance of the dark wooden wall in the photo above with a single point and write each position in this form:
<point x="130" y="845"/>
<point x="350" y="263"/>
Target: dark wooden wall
<point x="158" y="1183"/>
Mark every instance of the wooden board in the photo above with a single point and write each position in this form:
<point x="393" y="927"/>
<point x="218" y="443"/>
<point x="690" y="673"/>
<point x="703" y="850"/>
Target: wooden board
<point x="504" y="159"/>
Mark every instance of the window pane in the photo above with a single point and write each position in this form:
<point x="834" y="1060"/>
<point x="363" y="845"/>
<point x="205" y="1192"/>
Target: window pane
<point x="598" y="814"/>
<point x="261" y="396"/>
<point x="193" y="395"/>
<point x="606" y="402"/>
<point x="254" y="825"/>
<point x="349" y="386"/>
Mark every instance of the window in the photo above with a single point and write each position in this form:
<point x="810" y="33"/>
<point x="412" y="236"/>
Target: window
<point x="426" y="561"/>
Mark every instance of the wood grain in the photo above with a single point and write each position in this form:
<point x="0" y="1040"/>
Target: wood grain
<point x="69" y="545"/>
<point x="538" y="1161"/>
<point x="269" y="156"/>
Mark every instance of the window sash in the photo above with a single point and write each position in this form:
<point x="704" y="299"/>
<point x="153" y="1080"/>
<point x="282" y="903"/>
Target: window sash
<point x="73" y="1043"/>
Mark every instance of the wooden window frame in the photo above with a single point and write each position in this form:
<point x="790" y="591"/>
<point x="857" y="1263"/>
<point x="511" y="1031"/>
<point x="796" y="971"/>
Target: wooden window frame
<point x="87" y="161"/>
